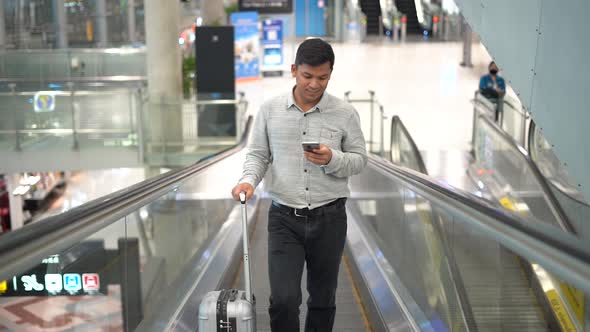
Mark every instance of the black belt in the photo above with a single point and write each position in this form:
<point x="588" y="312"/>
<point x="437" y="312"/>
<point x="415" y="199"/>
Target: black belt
<point x="306" y="212"/>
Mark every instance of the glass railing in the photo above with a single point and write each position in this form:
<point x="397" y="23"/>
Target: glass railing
<point x="456" y="269"/>
<point x="70" y="119"/>
<point x="207" y="127"/>
<point x="103" y="118"/>
<point x="573" y="202"/>
<point x="503" y="169"/>
<point x="46" y="65"/>
<point x="404" y="151"/>
<point x="112" y="263"/>
<point x="115" y="278"/>
<point x="507" y="112"/>
<point x="513" y="120"/>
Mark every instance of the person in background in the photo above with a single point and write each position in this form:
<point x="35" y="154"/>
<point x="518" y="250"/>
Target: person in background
<point x="493" y="87"/>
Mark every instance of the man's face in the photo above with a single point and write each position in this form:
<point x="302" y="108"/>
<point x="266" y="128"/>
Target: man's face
<point x="311" y="81"/>
<point x="493" y="67"/>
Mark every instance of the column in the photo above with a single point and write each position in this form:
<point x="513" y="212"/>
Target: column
<point x="61" y="22"/>
<point x="101" y="23"/>
<point x="2" y="26"/>
<point x="164" y="75"/>
<point x="131" y="20"/>
<point x="213" y="12"/>
<point x="17" y="219"/>
<point x="338" y="14"/>
<point x="467" y="41"/>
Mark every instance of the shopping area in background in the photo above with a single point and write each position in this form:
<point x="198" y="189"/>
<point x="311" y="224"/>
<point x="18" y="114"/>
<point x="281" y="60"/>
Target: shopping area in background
<point x="24" y="196"/>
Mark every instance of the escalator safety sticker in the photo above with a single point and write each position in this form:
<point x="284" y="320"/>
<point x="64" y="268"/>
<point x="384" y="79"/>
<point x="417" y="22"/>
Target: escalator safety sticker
<point x="561" y="313"/>
<point x="575" y="298"/>
<point x="507" y="203"/>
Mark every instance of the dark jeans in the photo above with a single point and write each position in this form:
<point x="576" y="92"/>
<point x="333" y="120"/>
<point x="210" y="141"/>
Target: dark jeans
<point x="318" y="240"/>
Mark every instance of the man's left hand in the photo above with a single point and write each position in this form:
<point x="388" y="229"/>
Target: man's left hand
<point x="321" y="156"/>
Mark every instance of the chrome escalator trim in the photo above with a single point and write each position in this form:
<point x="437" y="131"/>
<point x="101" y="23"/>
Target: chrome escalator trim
<point x="395" y="308"/>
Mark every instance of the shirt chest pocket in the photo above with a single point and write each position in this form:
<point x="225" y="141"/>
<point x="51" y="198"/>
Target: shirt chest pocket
<point x="331" y="138"/>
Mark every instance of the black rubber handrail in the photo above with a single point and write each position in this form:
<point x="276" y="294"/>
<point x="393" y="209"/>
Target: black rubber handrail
<point x="33" y="242"/>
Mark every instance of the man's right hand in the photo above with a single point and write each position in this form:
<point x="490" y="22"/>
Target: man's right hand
<point x="242" y="187"/>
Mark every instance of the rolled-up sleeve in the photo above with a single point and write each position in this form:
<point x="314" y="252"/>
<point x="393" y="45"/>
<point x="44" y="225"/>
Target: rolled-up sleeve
<point x="258" y="156"/>
<point x="353" y="157"/>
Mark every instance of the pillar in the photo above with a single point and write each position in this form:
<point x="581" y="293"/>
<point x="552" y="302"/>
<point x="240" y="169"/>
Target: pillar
<point x="2" y="26"/>
<point x="61" y="22"/>
<point x="164" y="75"/>
<point x="338" y="14"/>
<point x="131" y="20"/>
<point x="101" y="23"/>
<point x="17" y="219"/>
<point x="467" y="41"/>
<point x="213" y="12"/>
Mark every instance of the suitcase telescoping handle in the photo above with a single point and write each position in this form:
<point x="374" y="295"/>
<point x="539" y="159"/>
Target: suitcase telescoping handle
<point x="247" y="280"/>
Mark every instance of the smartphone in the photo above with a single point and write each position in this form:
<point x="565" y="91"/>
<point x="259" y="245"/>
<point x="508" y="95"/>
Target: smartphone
<point x="310" y="146"/>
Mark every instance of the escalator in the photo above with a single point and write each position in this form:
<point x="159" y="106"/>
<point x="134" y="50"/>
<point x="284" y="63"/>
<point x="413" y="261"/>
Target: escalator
<point x="495" y="286"/>
<point x="420" y="256"/>
<point x="372" y="10"/>
<point x="408" y="8"/>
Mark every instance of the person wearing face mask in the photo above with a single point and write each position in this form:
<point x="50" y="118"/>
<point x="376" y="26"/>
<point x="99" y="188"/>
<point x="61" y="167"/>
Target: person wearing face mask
<point x="493" y="87"/>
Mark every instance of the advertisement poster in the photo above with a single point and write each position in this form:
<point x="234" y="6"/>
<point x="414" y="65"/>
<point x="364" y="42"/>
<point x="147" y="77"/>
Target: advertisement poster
<point x="247" y="46"/>
<point x="272" y="43"/>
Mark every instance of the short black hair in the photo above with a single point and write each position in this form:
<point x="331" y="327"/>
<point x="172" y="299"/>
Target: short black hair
<point x="492" y="63"/>
<point x="314" y="52"/>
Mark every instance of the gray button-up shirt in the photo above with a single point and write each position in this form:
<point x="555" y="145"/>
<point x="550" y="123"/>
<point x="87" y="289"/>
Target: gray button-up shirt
<point x="280" y="128"/>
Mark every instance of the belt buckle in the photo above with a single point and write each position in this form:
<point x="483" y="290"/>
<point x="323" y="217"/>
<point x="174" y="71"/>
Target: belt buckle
<point x="298" y="215"/>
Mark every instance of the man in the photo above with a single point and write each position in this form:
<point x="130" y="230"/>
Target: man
<point x="307" y="218"/>
<point x="493" y="87"/>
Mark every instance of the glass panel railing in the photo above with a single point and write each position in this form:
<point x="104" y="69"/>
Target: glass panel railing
<point x="507" y="112"/>
<point x="503" y="170"/>
<point x="194" y="129"/>
<point x="44" y="65"/>
<point x="460" y="273"/>
<point x="406" y="230"/>
<point x="118" y="277"/>
<point x="74" y="119"/>
<point x="514" y="120"/>
<point x="573" y="202"/>
<point x="404" y="151"/>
